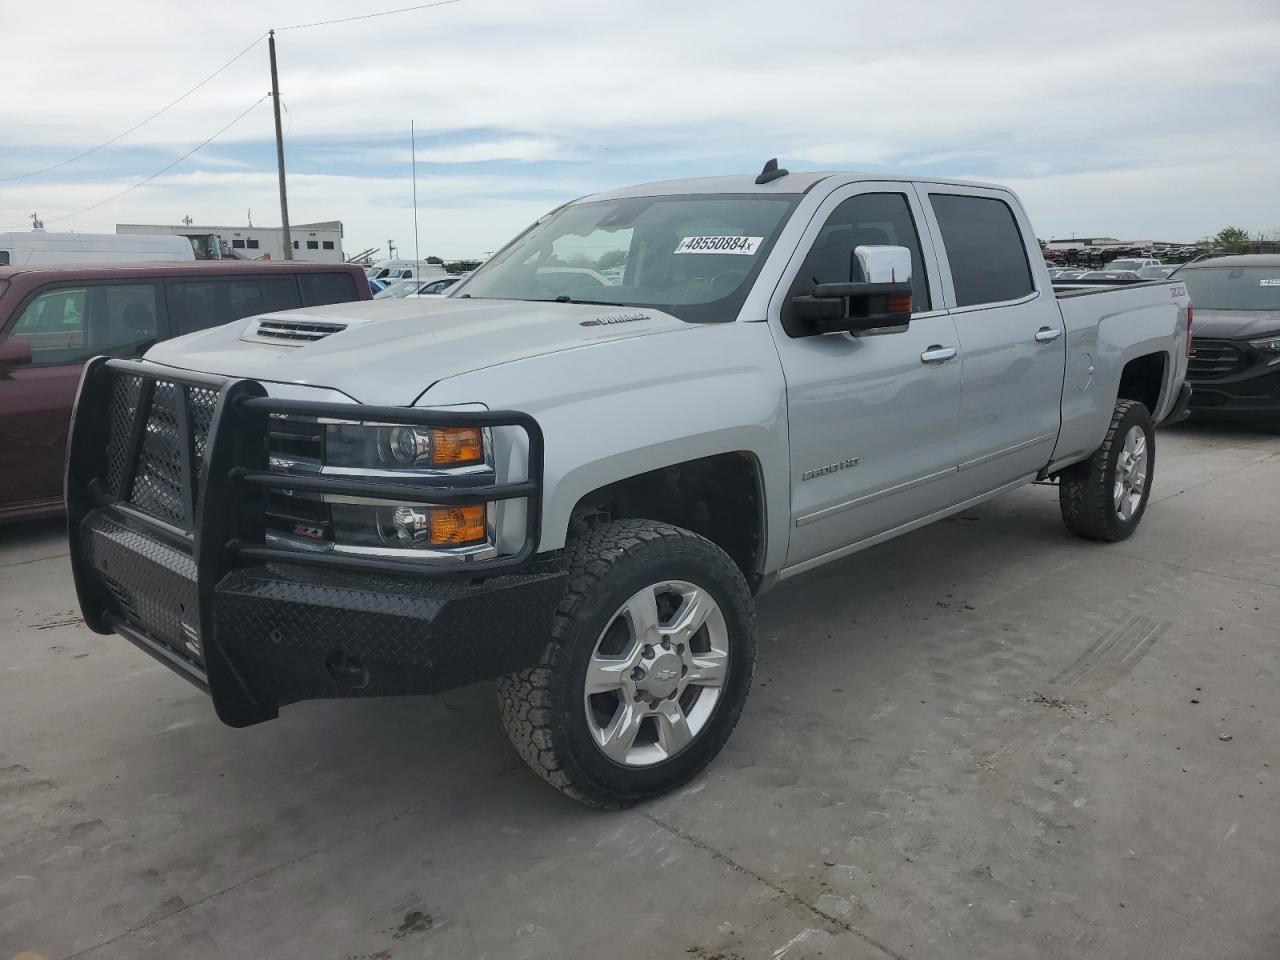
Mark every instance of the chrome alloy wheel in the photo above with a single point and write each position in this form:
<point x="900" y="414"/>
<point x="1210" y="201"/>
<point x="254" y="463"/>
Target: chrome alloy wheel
<point x="656" y="673"/>
<point x="1131" y="473"/>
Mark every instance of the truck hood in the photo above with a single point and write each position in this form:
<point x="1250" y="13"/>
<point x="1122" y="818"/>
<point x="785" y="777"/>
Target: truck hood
<point x="1235" y="324"/>
<point x="390" y="351"/>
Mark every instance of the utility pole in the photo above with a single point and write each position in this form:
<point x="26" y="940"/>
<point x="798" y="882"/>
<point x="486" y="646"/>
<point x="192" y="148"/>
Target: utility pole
<point x="275" y="104"/>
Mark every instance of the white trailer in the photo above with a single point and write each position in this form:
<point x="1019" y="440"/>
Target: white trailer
<point x="36" y="246"/>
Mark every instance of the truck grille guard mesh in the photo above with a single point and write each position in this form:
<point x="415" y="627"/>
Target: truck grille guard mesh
<point x="186" y="456"/>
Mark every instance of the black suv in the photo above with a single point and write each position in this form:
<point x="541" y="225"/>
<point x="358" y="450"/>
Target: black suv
<point x="1235" y="366"/>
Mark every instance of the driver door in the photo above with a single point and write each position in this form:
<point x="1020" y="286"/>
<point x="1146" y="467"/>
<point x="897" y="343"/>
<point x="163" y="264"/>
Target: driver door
<point x="873" y="416"/>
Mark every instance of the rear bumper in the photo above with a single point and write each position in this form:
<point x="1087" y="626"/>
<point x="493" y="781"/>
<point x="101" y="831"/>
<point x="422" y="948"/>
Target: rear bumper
<point x="283" y="633"/>
<point x="166" y="480"/>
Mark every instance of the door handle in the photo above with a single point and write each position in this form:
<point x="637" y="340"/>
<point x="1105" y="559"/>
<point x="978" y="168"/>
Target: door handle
<point x="937" y="354"/>
<point x="1047" y="335"/>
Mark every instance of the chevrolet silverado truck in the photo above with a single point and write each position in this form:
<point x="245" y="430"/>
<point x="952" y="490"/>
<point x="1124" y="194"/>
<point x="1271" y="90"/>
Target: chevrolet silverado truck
<point x="574" y="473"/>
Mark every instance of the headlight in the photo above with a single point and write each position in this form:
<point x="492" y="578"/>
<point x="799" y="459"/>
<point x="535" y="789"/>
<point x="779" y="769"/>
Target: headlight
<point x="1269" y="344"/>
<point x="409" y="526"/>
<point x="402" y="447"/>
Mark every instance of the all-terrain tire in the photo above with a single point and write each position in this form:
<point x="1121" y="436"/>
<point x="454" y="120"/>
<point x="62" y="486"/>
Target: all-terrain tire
<point x="1086" y="490"/>
<point x="543" y="708"/>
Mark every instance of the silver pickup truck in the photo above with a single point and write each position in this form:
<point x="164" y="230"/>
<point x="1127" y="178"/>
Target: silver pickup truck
<point x="574" y="473"/>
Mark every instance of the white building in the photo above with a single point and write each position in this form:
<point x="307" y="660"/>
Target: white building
<point x="312" y="242"/>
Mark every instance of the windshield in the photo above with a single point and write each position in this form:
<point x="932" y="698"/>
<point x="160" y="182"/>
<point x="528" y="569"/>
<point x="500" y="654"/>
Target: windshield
<point x="1126" y="264"/>
<point x="1233" y="288"/>
<point x="694" y="257"/>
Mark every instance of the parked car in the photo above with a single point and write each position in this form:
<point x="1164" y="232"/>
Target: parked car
<point x="377" y="286"/>
<point x="416" y="288"/>
<point x="1132" y="264"/>
<point x="393" y="270"/>
<point x="581" y="496"/>
<point x="53" y="318"/>
<point x="1157" y="273"/>
<point x="1107" y="276"/>
<point x="1235" y="366"/>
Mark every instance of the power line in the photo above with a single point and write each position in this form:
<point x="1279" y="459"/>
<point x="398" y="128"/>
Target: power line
<point x="170" y="166"/>
<point x="140" y="124"/>
<point x="366" y="16"/>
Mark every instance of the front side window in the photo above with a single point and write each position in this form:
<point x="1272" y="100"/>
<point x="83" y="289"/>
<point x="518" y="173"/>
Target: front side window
<point x="868" y="219"/>
<point x="1233" y="288"/>
<point x="984" y="247"/>
<point x="693" y="256"/>
<point x="71" y="324"/>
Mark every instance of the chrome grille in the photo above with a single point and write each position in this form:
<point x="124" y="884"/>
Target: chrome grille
<point x="297" y="446"/>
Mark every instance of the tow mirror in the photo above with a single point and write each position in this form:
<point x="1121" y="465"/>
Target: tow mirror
<point x="881" y="299"/>
<point x="15" y="352"/>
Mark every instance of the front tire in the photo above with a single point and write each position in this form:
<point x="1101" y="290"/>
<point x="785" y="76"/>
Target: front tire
<point x="1104" y="497"/>
<point x="647" y="670"/>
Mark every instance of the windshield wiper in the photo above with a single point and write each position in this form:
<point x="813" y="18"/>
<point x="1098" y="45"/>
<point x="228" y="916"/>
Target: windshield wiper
<point x="565" y="298"/>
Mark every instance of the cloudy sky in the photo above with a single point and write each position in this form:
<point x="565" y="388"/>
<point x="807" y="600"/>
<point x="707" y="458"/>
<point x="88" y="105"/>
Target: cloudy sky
<point x="1134" y="121"/>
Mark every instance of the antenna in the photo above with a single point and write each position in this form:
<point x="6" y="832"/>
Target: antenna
<point x="36" y="222"/>
<point x="771" y="172"/>
<point x="413" y="160"/>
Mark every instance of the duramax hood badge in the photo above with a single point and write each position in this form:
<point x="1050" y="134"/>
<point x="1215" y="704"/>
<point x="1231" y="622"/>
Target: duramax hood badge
<point x="609" y="318"/>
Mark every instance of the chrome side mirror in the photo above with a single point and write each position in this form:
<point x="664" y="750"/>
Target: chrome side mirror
<point x="884" y="264"/>
<point x="881" y="299"/>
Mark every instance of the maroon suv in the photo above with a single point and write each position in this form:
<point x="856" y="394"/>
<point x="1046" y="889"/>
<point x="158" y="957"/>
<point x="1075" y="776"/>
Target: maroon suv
<point x="55" y="317"/>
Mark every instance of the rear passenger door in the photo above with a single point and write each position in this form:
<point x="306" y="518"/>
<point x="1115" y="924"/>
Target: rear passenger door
<point x="1012" y="344"/>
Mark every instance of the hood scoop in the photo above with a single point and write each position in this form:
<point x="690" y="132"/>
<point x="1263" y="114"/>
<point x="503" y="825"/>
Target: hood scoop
<point x="296" y="332"/>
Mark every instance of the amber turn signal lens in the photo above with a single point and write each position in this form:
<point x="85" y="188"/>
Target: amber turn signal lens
<point x="456" y="446"/>
<point x="900" y="304"/>
<point x="455" y="526"/>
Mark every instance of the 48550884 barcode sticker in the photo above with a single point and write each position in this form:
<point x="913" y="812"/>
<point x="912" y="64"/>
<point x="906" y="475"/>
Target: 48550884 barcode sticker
<point x="740" y="245"/>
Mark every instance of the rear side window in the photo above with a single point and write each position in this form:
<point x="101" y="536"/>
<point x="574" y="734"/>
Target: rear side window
<point x="322" y="288"/>
<point x="201" y="304"/>
<point x="72" y="324"/>
<point x="988" y="258"/>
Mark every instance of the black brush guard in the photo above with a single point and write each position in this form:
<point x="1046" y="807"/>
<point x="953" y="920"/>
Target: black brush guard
<point x="166" y="489"/>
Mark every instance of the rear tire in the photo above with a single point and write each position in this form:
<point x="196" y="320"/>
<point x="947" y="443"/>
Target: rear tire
<point x="647" y="670"/>
<point x="1104" y="497"/>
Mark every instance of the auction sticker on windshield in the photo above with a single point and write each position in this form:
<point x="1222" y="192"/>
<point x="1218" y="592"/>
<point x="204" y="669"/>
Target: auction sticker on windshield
<point x="739" y="245"/>
<point x="1269" y="283"/>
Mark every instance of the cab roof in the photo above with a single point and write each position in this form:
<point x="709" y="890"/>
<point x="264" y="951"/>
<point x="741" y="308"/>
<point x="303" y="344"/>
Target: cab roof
<point x="792" y="183"/>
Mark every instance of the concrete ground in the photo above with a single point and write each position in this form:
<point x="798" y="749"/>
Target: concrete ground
<point x="984" y="740"/>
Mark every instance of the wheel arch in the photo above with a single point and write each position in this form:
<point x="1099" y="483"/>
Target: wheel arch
<point x="720" y="496"/>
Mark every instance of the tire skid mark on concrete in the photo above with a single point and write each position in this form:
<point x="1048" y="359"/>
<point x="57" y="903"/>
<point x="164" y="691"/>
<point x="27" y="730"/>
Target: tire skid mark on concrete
<point x="1113" y="656"/>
